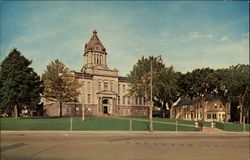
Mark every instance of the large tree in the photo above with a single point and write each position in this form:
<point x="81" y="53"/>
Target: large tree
<point x="167" y="90"/>
<point x="164" y="82"/>
<point x="19" y="85"/>
<point x="221" y="82"/>
<point x="239" y="86"/>
<point x="60" y="84"/>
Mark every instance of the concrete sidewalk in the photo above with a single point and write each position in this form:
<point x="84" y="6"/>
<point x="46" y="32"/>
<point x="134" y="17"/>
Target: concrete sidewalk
<point x="146" y="133"/>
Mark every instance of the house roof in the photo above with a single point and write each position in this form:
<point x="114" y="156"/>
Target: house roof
<point x="186" y="101"/>
<point x="93" y="42"/>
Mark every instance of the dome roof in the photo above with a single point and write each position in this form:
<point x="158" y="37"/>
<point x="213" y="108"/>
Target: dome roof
<point x="94" y="44"/>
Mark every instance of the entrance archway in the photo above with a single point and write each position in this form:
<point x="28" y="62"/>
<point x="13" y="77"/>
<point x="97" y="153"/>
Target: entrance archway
<point x="105" y="104"/>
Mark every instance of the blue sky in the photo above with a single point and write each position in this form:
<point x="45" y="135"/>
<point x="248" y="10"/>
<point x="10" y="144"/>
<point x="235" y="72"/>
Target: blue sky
<point x="188" y="35"/>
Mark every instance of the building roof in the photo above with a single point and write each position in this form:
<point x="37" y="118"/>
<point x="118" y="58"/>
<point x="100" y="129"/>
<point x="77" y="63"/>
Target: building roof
<point x="186" y="101"/>
<point x="85" y="75"/>
<point x="125" y="79"/>
<point x="94" y="44"/>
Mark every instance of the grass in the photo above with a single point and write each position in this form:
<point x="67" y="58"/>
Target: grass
<point x="180" y="121"/>
<point x="103" y="124"/>
<point x="233" y="127"/>
<point x="90" y="124"/>
<point x="35" y="124"/>
<point x="143" y="126"/>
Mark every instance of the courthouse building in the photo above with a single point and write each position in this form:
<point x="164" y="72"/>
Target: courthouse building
<point x="103" y="91"/>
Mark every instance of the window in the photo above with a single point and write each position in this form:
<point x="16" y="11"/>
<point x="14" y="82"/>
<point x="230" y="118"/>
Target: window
<point x="111" y="86"/>
<point x="83" y="85"/>
<point x="123" y="99"/>
<point x="128" y="100"/>
<point x="140" y="101"/>
<point x="209" y="116"/>
<point x="118" y="99"/>
<point x="89" y="85"/>
<point x="123" y="88"/>
<point x="105" y="85"/>
<point x="136" y="100"/>
<point x="99" y="86"/>
<point x="68" y="110"/>
<point x="89" y="98"/>
<point x="94" y="58"/>
<point x="100" y="59"/>
<point x="214" y="116"/>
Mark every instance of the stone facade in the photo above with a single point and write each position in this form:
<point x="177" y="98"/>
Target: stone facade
<point x="214" y="110"/>
<point x="103" y="91"/>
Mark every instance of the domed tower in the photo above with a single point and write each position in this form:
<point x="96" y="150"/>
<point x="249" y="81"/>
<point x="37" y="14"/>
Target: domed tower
<point x="94" y="53"/>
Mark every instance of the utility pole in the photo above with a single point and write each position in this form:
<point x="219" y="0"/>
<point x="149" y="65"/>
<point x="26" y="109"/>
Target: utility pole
<point x="151" y="99"/>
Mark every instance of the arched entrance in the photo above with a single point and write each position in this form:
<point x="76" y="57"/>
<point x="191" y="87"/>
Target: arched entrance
<point x="105" y="104"/>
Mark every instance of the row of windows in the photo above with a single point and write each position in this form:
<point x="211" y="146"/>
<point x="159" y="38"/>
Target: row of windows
<point x="125" y="100"/>
<point x="105" y="86"/>
<point x="97" y="58"/>
<point x="123" y="88"/>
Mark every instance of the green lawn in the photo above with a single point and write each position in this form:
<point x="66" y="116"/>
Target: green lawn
<point x="233" y="127"/>
<point x="143" y="126"/>
<point x="180" y="121"/>
<point x="90" y="124"/>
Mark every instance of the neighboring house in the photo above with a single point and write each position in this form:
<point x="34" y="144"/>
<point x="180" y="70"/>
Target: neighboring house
<point x="103" y="91"/>
<point x="192" y="109"/>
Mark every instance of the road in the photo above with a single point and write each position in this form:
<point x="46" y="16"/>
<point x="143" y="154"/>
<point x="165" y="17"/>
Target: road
<point x="124" y="146"/>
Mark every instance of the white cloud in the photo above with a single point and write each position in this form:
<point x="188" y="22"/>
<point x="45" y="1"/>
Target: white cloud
<point x="198" y="35"/>
<point x="245" y="34"/>
<point x="224" y="38"/>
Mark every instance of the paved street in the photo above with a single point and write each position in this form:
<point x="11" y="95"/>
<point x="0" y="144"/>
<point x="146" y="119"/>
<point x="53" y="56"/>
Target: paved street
<point x="124" y="145"/>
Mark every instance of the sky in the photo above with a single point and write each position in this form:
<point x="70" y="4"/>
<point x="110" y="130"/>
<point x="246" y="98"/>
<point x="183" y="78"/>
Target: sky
<point x="187" y="34"/>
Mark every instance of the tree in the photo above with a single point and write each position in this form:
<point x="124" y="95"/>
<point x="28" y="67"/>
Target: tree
<point x="19" y="84"/>
<point x="164" y="82"/>
<point x="167" y="90"/>
<point x="221" y="82"/>
<point x="60" y="84"/>
<point x="239" y="86"/>
<point x="197" y="84"/>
